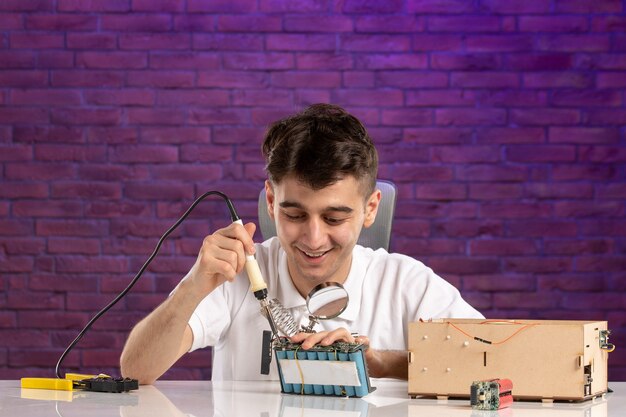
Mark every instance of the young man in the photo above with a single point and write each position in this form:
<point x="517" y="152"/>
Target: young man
<point x="322" y="168"/>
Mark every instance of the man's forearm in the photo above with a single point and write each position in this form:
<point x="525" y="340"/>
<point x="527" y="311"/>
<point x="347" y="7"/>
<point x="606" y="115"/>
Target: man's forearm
<point x="160" y="339"/>
<point x="387" y="364"/>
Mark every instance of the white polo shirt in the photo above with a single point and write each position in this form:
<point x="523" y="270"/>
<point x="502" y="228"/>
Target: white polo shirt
<point x="386" y="292"/>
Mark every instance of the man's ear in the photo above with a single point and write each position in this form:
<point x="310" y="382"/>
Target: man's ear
<point x="371" y="208"/>
<point x="269" y="198"/>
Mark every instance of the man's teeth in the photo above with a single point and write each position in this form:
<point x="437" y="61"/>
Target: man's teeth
<point x="314" y="255"/>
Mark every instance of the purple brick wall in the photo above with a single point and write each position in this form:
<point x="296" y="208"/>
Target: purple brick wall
<point x="501" y="122"/>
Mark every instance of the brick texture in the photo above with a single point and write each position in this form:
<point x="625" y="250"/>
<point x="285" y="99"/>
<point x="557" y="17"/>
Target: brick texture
<point x="501" y="122"/>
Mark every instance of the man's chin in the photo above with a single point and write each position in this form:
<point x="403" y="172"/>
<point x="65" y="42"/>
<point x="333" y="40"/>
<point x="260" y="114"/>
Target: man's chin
<point x="314" y="277"/>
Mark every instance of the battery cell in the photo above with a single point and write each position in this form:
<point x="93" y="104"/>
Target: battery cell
<point x="492" y="394"/>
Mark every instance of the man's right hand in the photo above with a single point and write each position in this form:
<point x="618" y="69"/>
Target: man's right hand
<point x="222" y="256"/>
<point x="164" y="335"/>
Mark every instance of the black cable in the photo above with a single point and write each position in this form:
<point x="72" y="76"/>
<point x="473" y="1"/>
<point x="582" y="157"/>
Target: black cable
<point x="234" y="217"/>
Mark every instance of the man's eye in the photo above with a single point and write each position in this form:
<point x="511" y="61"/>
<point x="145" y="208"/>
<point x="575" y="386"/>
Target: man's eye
<point x="294" y="216"/>
<point x="333" y="221"/>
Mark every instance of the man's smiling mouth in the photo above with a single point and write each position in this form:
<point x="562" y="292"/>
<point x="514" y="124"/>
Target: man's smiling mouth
<point x="314" y="254"/>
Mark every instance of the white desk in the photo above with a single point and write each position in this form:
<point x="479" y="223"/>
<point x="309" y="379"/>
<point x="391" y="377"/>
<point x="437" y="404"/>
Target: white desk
<point x="263" y="399"/>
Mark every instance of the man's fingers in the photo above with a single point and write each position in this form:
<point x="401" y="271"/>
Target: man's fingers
<point x="225" y="249"/>
<point x="250" y="228"/>
<point x="298" y="337"/>
<point x="323" y="338"/>
<point x="242" y="234"/>
<point x="337" y="334"/>
<point x="362" y="340"/>
<point x="312" y="340"/>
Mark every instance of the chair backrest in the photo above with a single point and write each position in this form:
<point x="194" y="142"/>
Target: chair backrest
<point x="376" y="236"/>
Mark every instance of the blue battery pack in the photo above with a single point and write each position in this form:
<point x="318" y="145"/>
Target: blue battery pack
<point x="338" y="370"/>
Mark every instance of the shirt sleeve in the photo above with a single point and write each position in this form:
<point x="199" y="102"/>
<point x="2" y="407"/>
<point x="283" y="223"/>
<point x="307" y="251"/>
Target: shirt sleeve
<point x="209" y="320"/>
<point x="442" y="300"/>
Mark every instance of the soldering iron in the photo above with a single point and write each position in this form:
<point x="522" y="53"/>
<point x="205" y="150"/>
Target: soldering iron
<point x="108" y="384"/>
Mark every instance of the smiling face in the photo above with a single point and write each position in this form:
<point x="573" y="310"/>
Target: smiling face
<point x="318" y="229"/>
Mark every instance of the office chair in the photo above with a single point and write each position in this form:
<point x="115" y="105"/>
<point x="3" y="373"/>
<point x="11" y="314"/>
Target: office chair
<point x="376" y="236"/>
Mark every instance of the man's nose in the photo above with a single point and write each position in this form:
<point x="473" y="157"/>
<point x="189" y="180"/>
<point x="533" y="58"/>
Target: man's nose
<point x="315" y="233"/>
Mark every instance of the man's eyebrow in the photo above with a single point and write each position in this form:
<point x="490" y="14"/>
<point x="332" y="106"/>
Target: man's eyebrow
<point x="293" y="204"/>
<point x="343" y="209"/>
<point x="290" y="204"/>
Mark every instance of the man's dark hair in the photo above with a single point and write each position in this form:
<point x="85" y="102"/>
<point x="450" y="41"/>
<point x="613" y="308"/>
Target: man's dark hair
<point x="320" y="146"/>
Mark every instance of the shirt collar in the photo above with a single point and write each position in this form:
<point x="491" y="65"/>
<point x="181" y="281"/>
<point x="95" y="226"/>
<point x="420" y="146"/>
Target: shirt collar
<point x="354" y="285"/>
<point x="288" y="295"/>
